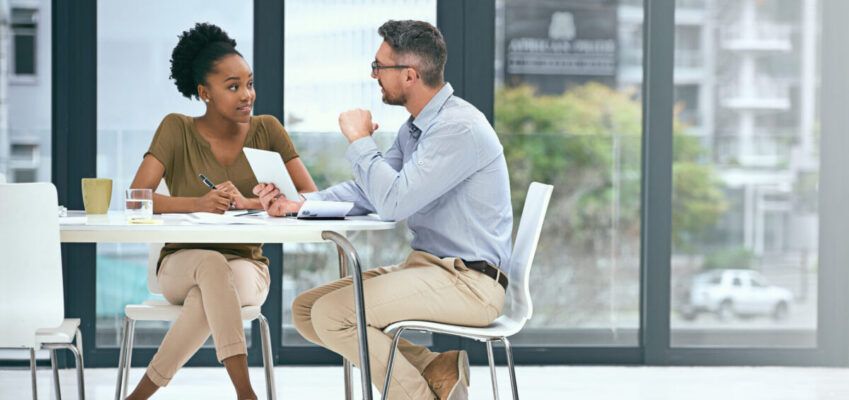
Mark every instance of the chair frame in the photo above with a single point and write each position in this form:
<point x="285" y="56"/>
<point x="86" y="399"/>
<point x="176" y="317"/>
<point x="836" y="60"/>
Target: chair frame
<point x="46" y="307"/>
<point x="126" y="355"/>
<point x="489" y="340"/>
<point x="401" y="326"/>
<point x="76" y="350"/>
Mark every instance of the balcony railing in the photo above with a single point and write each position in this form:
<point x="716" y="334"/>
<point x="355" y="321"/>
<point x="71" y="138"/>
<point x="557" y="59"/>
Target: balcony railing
<point x="758" y="36"/>
<point x="765" y="93"/>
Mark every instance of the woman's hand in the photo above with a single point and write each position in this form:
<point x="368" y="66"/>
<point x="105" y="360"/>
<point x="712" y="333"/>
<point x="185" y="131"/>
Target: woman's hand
<point x="239" y="201"/>
<point x="215" y="201"/>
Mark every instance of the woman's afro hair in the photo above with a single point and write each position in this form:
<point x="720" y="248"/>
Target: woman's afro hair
<point x="196" y="54"/>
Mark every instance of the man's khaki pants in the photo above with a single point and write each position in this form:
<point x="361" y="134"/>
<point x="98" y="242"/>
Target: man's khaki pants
<point x="212" y="288"/>
<point x="424" y="287"/>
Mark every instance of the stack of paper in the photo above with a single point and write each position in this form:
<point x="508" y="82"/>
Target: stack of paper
<point x="229" y="218"/>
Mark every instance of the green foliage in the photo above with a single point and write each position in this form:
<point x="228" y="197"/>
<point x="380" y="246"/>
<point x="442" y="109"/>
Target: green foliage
<point x="736" y="258"/>
<point x="586" y="142"/>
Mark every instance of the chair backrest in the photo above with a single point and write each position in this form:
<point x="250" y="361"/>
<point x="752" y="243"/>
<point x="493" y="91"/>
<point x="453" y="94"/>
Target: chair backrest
<point x="520" y="307"/>
<point x="154" y="249"/>
<point x="31" y="295"/>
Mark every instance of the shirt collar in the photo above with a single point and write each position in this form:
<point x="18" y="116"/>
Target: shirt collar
<point x="430" y="110"/>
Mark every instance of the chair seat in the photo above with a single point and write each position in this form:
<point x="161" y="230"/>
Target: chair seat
<point x="157" y="310"/>
<point x="64" y="333"/>
<point x="504" y="326"/>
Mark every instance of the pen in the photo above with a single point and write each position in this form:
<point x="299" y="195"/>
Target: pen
<point x="249" y="212"/>
<point x="206" y="181"/>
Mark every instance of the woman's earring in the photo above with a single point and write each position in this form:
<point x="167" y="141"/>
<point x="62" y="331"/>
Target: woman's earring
<point x="206" y="100"/>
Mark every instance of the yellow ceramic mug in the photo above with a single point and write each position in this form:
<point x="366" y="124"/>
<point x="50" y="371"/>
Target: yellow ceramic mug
<point x="97" y="193"/>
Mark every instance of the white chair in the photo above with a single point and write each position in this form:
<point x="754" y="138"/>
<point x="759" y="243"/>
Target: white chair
<point x="518" y="306"/>
<point x="158" y="310"/>
<point x="32" y="306"/>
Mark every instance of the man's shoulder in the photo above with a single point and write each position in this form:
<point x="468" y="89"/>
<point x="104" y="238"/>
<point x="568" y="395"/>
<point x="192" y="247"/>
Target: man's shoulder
<point x="462" y="116"/>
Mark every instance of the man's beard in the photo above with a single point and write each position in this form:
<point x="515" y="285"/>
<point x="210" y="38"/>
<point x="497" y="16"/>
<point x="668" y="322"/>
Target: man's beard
<point x="398" y="100"/>
<point x="394" y="101"/>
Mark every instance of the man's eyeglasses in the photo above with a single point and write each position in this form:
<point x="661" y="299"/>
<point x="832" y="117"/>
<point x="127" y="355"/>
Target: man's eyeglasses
<point x="377" y="67"/>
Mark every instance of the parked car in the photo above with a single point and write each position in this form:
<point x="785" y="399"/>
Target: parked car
<point x="735" y="292"/>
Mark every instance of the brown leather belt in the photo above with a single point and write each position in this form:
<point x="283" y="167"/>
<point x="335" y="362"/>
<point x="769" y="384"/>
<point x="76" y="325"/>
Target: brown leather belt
<point x="488" y="270"/>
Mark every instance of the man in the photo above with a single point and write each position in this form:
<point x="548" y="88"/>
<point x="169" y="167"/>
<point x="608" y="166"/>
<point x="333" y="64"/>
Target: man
<point x="447" y="176"/>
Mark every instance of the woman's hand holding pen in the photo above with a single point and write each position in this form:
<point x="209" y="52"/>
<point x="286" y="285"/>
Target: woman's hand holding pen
<point x="214" y="201"/>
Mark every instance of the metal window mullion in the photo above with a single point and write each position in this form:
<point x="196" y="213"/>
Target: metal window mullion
<point x="656" y="190"/>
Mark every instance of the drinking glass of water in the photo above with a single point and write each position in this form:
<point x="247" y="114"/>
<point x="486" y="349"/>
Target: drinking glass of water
<point x="138" y="205"/>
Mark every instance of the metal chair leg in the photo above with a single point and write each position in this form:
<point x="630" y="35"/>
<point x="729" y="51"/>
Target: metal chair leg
<point x="78" y="338"/>
<point x="347" y="368"/>
<point x="267" y="358"/>
<point x="391" y="361"/>
<point x="348" y="371"/>
<point x="32" y="372"/>
<point x="119" y="384"/>
<point x="492" y="369"/>
<point x="78" y="357"/>
<point x="511" y="368"/>
<point x="80" y="364"/>
<point x="55" y="367"/>
<point x="131" y="335"/>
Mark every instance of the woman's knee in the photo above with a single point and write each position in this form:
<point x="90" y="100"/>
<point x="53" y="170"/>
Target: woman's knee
<point x="212" y="263"/>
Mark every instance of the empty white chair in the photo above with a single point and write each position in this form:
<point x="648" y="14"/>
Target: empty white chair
<point x="158" y="310"/>
<point x="517" y="308"/>
<point x="32" y="306"/>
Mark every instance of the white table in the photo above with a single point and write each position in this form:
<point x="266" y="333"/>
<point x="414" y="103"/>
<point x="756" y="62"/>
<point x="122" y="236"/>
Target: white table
<point x="112" y="228"/>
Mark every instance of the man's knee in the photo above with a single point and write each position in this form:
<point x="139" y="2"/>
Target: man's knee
<point x="331" y="319"/>
<point x="301" y="313"/>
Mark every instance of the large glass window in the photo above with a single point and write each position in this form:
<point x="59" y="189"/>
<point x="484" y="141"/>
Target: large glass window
<point x="134" y="93"/>
<point x="25" y="93"/>
<point x="745" y="206"/>
<point x="329" y="48"/>
<point x="568" y="112"/>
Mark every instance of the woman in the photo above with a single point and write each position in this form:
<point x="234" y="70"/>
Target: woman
<point x="211" y="281"/>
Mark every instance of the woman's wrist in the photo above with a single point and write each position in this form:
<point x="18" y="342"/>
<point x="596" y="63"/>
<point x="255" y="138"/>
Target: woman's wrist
<point x="253" y="204"/>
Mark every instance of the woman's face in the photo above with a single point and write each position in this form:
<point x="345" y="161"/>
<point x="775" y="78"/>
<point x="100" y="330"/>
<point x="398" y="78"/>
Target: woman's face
<point x="230" y="89"/>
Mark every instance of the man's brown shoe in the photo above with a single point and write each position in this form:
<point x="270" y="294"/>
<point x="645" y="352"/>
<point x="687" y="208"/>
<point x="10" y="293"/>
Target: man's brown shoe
<point x="448" y="375"/>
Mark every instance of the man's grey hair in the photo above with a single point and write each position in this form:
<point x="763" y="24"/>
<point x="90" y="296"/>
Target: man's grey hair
<point x="422" y="40"/>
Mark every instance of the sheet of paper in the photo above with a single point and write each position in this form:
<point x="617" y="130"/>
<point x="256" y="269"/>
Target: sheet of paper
<point x="229" y="218"/>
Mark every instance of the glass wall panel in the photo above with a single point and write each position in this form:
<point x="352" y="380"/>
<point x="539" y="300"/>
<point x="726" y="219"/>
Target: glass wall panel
<point x="329" y="48"/>
<point x="134" y="93"/>
<point x="568" y="112"/>
<point x="745" y="206"/>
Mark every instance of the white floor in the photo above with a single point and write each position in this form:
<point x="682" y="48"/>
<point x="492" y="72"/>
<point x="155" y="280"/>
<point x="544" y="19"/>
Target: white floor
<point x="597" y="383"/>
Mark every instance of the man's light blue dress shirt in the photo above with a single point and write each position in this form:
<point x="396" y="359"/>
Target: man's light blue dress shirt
<point x="445" y="174"/>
